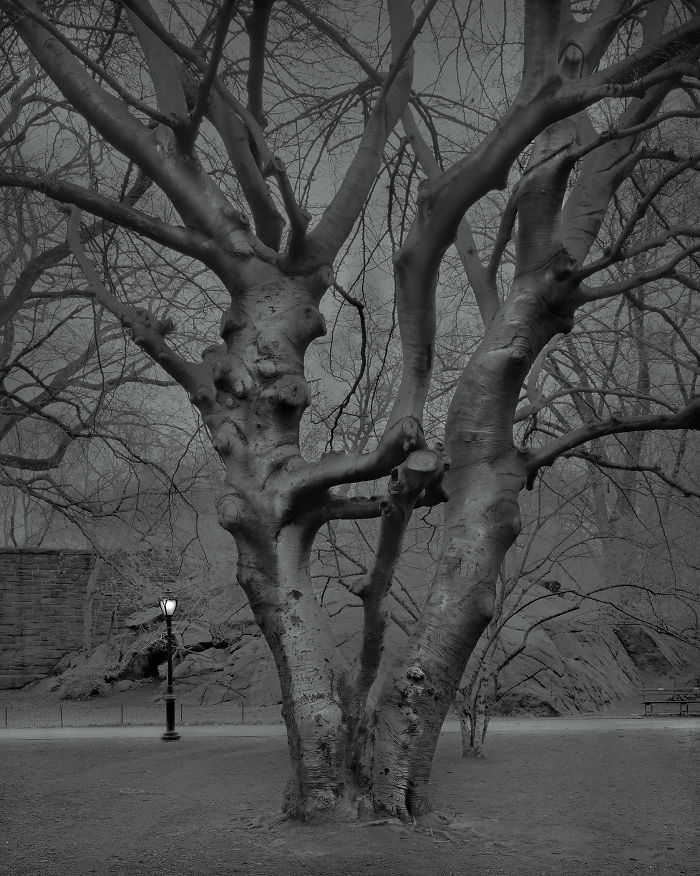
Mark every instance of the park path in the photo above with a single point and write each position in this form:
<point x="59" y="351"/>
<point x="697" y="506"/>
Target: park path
<point x="521" y="726"/>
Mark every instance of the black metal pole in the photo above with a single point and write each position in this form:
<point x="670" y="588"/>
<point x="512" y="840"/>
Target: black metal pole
<point x="170" y="731"/>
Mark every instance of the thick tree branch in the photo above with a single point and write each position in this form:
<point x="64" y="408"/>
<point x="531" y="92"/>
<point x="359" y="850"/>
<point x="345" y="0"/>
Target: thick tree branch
<point x="484" y="289"/>
<point x="670" y="49"/>
<point x="162" y="67"/>
<point x="334" y="469"/>
<point x="183" y="240"/>
<point x="26" y="9"/>
<point x="147" y="331"/>
<point x="201" y="203"/>
<point x="444" y="201"/>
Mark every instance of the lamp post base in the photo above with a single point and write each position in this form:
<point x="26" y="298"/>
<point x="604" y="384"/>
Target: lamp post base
<point x="170" y="731"/>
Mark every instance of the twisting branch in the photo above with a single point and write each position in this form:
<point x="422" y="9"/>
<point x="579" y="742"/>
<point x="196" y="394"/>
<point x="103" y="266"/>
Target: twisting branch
<point x="482" y="284"/>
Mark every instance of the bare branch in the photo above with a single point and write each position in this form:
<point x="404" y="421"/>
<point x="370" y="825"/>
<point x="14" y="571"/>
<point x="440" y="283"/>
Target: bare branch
<point x="686" y="489"/>
<point x="334" y="469"/>
<point x="587" y="294"/>
<point x="167" y="119"/>
<point x="223" y="21"/>
<point x="687" y="418"/>
<point x="340" y="215"/>
<point x="256" y="25"/>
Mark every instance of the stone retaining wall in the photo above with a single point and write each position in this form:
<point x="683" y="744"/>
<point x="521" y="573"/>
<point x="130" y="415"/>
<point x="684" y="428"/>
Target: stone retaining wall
<point x="51" y="604"/>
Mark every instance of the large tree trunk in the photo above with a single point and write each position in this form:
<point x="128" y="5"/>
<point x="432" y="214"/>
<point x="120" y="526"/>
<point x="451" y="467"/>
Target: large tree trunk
<point x="296" y="630"/>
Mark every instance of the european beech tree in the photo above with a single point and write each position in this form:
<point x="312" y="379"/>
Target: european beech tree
<point x="263" y="129"/>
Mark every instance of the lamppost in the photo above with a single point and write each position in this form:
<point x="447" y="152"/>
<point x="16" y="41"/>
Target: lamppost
<point x="168" y="604"/>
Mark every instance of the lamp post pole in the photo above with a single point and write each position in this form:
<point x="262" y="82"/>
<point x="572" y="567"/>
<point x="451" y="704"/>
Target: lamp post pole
<point x="168" y="605"/>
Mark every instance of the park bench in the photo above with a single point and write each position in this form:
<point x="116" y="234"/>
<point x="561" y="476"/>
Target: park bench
<point x="682" y="696"/>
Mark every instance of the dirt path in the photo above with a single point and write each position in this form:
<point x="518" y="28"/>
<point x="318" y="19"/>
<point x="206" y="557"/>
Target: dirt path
<point x="621" y="800"/>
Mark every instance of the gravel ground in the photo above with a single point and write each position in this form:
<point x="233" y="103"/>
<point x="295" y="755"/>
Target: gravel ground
<point x="623" y="800"/>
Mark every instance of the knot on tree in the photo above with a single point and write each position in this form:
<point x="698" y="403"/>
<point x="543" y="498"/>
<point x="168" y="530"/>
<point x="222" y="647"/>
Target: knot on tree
<point x="563" y="265"/>
<point x="415" y="673"/>
<point x="242" y="386"/>
<point x="412" y="434"/>
<point x="274" y="166"/>
<point x="320" y="280"/>
<point x="236" y="216"/>
<point x="306" y="322"/>
<point x="289" y="391"/>
<point x="203" y="396"/>
<point x="571" y="60"/>
<point x="232" y="320"/>
<point x="230" y="511"/>
<point x="219" y="372"/>
<point x="226" y="438"/>
<point x="142" y="323"/>
<point x="266" y="367"/>
<point x="293" y="392"/>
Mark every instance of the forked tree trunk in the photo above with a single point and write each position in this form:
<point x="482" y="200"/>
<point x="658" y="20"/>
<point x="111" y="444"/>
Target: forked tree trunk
<point x="252" y="397"/>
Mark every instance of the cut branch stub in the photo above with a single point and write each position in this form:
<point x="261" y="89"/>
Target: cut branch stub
<point x="423" y="461"/>
<point x="421" y="470"/>
<point x="412" y="433"/>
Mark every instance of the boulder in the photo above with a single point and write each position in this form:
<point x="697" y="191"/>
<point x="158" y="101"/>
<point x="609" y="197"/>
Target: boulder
<point x="194" y="636"/>
<point x="143" y="618"/>
<point x="124" y="684"/>
<point x="198" y="663"/>
<point x="651" y="652"/>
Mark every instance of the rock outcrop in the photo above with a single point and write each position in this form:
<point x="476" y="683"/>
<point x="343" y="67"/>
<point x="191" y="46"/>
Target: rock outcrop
<point x="556" y="656"/>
